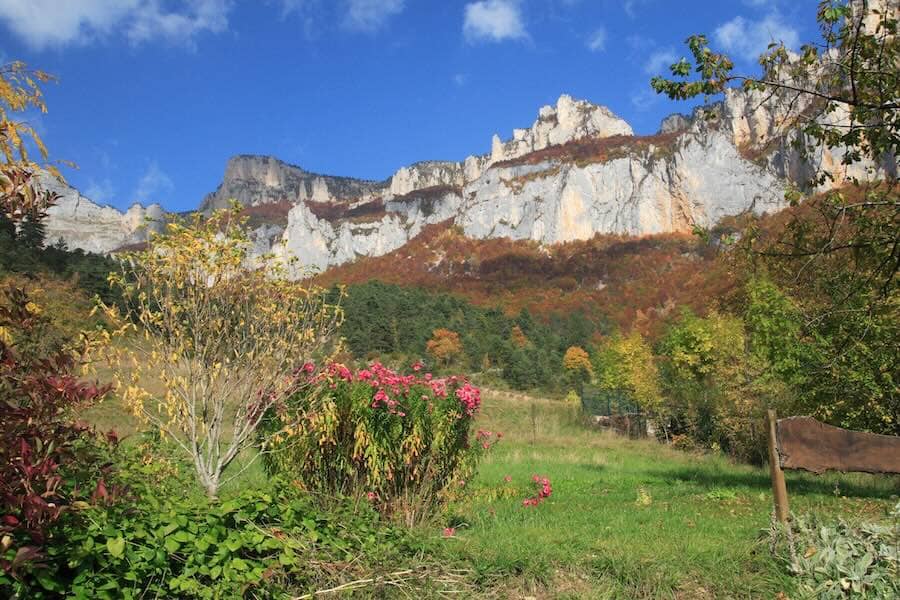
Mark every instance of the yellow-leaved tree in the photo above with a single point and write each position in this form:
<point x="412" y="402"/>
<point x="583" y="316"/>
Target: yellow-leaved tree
<point x="225" y="337"/>
<point x="444" y="345"/>
<point x="627" y="364"/>
<point x="577" y="364"/>
<point x="19" y="91"/>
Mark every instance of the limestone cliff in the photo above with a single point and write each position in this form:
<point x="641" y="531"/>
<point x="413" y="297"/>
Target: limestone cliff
<point x="254" y="180"/>
<point x="84" y="224"/>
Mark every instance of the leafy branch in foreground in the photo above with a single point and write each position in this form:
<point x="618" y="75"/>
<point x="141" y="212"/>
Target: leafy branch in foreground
<point x="222" y="338"/>
<point x="20" y="91"/>
<point x="842" y="94"/>
<point x="836" y="252"/>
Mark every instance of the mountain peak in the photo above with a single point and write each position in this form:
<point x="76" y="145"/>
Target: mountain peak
<point x="569" y="120"/>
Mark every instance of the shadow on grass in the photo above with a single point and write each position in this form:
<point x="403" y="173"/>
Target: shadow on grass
<point x="855" y="485"/>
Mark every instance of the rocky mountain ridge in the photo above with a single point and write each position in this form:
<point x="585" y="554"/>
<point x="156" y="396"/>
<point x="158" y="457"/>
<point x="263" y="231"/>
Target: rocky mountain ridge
<point x="576" y="172"/>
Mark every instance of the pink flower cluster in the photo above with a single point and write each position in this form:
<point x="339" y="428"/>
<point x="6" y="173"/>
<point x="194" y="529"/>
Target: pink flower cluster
<point x="544" y="490"/>
<point x="391" y="388"/>
<point x="470" y="398"/>
<point x="487" y="438"/>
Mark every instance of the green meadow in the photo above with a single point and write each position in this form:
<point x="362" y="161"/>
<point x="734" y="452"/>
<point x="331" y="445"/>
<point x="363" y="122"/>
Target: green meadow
<point x="630" y="518"/>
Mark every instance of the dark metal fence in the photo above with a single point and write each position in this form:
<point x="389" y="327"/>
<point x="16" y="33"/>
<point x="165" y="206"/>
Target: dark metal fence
<point x="614" y="409"/>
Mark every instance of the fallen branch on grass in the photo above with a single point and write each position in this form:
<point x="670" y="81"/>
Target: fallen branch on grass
<point x="453" y="579"/>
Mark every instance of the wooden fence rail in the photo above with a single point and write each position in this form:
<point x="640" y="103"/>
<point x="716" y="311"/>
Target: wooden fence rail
<point x="807" y="444"/>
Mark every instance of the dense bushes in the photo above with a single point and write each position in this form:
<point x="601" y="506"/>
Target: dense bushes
<point x="47" y="460"/>
<point x="24" y="252"/>
<point x="152" y="533"/>
<point x="399" y="441"/>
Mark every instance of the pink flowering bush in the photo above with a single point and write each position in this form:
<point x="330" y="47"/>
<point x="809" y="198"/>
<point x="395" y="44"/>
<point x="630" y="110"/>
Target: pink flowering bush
<point x="543" y="489"/>
<point x="400" y="442"/>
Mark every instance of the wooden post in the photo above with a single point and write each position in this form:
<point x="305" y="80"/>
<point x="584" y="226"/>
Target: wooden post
<point x="533" y="424"/>
<point x="779" y="489"/>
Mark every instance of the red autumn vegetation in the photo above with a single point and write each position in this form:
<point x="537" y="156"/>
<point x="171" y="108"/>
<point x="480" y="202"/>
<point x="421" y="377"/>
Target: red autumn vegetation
<point x="631" y="281"/>
<point x="593" y="150"/>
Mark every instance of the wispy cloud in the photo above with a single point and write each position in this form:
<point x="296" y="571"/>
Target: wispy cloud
<point x="153" y="21"/>
<point x="460" y="79"/>
<point x="644" y="99"/>
<point x="493" y="21"/>
<point x="101" y="192"/>
<point x="50" y="23"/>
<point x="597" y="41"/>
<point x="153" y="184"/>
<point x="371" y="15"/>
<point x="632" y="7"/>
<point x="749" y="38"/>
<point x="659" y="60"/>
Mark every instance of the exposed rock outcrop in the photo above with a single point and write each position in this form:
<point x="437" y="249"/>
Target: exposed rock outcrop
<point x="253" y="180"/>
<point x="569" y="120"/>
<point x="675" y="123"/>
<point x="84" y="224"/>
<point x="693" y="179"/>
<point x="576" y="172"/>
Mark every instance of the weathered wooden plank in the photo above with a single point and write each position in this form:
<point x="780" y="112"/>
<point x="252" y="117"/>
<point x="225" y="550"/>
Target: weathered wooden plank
<point x="805" y="443"/>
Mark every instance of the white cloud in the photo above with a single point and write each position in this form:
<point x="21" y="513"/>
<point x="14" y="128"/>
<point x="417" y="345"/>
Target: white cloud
<point x="659" y="61"/>
<point x="748" y="38"/>
<point x="494" y="21"/>
<point x="644" y="99"/>
<point x="153" y="184"/>
<point x="631" y="7"/>
<point x="370" y="15"/>
<point x="152" y="21"/>
<point x="597" y="41"/>
<point x="101" y="192"/>
<point x="51" y="23"/>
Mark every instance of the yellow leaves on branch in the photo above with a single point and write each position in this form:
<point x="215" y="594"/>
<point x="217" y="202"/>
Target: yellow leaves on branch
<point x="444" y="345"/>
<point x="577" y="362"/>
<point x="221" y="334"/>
<point x="627" y="363"/>
<point x="20" y="91"/>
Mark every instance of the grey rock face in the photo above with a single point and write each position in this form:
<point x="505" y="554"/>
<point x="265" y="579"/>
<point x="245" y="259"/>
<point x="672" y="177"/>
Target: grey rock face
<point x="697" y="181"/>
<point x="83" y="224"/>
<point x="569" y="120"/>
<point x="254" y="180"/>
<point x="675" y="123"/>
<point x="311" y="244"/>
<point x="592" y="176"/>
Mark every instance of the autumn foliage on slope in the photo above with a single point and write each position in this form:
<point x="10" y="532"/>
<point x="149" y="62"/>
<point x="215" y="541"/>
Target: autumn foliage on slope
<point x="628" y="281"/>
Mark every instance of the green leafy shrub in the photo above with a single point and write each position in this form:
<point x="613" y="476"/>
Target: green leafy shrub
<point x="400" y="441"/>
<point x="840" y="560"/>
<point x="153" y="534"/>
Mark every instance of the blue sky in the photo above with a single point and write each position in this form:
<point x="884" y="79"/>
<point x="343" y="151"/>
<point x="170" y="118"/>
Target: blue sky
<point x="155" y="95"/>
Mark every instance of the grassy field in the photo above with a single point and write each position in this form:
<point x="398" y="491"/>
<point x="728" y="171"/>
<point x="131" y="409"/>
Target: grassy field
<point x="697" y="531"/>
<point x="697" y="534"/>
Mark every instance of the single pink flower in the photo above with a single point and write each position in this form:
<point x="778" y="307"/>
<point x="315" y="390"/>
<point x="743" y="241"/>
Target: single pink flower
<point x="449" y="531"/>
